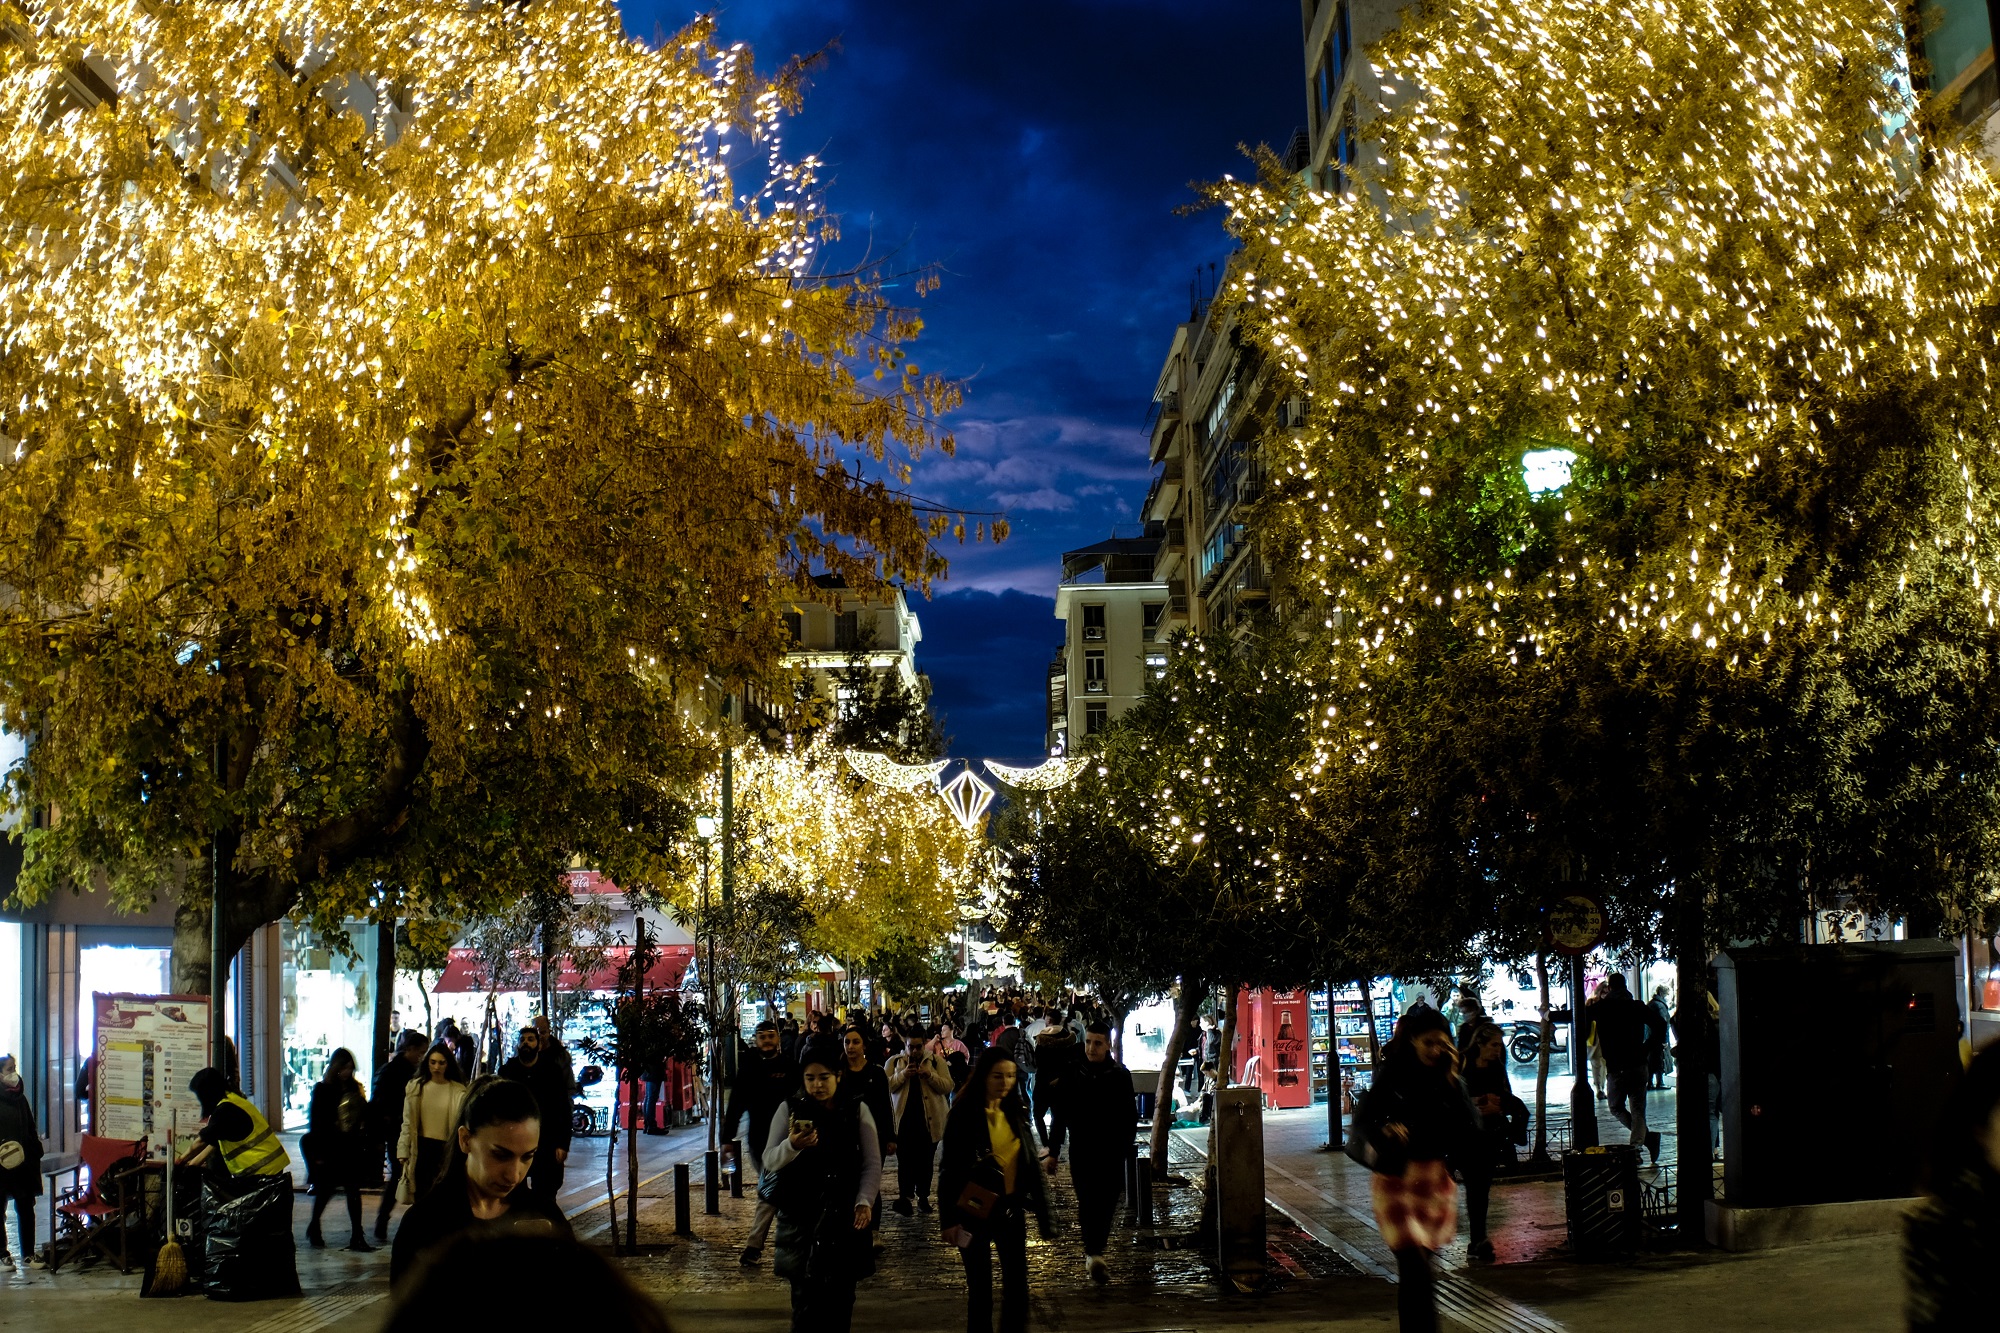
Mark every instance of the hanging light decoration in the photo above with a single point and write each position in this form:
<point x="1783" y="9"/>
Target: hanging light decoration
<point x="1045" y="776"/>
<point x="886" y="772"/>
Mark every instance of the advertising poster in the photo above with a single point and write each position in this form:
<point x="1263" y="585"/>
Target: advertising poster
<point x="148" y="1047"/>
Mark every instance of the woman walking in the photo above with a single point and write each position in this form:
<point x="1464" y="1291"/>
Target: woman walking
<point x="1502" y="1125"/>
<point x="483" y="1189"/>
<point x="1418" y="1120"/>
<point x="22" y="1181"/>
<point x="430" y="1112"/>
<point x="337" y="1124"/>
<point x="990" y="1180"/>
<point x="827" y="1158"/>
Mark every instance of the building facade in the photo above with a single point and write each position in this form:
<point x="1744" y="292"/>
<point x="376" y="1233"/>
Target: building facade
<point x="1113" y="611"/>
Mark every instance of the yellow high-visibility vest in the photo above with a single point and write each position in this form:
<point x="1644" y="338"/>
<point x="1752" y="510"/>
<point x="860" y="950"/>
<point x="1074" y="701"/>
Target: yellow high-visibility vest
<point x="258" y="1154"/>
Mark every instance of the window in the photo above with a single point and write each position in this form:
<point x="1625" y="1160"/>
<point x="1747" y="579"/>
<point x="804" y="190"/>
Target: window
<point x="1156" y="665"/>
<point x="1339" y="169"/>
<point x="846" y="700"/>
<point x="1093" y="672"/>
<point x="1152" y="611"/>
<point x="1957" y="44"/>
<point x="1332" y="66"/>
<point x="847" y="630"/>
<point x="795" y="626"/>
<point x="1096" y="717"/>
<point x="1093" y="622"/>
<point x="1218" y="412"/>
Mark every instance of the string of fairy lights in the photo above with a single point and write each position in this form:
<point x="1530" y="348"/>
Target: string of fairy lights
<point x="1684" y="247"/>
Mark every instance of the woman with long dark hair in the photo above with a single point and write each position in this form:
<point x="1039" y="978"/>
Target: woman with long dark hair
<point x="483" y="1188"/>
<point x="431" y="1106"/>
<point x="1417" y="1119"/>
<point x="990" y="1180"/>
<point x="337" y="1124"/>
<point x="1951" y="1244"/>
<point x="826" y="1159"/>
<point x="1485" y="1052"/>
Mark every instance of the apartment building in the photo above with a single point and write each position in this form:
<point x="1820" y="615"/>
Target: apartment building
<point x="1113" y="612"/>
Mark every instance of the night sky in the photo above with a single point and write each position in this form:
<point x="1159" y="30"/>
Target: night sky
<point x="1036" y="154"/>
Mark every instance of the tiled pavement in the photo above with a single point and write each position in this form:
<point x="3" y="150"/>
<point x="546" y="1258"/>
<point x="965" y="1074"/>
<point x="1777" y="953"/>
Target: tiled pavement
<point x="1322" y="1236"/>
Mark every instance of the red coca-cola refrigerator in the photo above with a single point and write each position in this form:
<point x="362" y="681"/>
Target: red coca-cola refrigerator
<point x="1272" y="1032"/>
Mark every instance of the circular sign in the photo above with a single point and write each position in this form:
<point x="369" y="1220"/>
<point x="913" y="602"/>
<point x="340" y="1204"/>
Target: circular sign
<point x="1574" y="923"/>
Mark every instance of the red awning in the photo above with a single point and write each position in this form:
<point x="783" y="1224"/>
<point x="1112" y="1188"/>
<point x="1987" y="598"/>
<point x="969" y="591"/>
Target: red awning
<point x="466" y="973"/>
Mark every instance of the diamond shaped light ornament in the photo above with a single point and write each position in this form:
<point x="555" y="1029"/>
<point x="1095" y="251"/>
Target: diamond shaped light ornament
<point x="968" y="798"/>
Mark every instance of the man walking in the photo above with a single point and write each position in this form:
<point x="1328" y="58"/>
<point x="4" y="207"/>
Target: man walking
<point x="1095" y="1110"/>
<point x="1624" y="1030"/>
<point x="385" y="1115"/>
<point x="920" y="1081"/>
<point x="541" y="1063"/>
<point x="763" y="1081"/>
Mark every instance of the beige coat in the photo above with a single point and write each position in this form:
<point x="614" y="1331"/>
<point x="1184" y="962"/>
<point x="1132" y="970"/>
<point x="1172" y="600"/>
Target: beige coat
<point x="406" y="1141"/>
<point x="932" y="1080"/>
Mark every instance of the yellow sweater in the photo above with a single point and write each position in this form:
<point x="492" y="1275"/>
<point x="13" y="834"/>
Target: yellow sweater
<point x="1006" y="1147"/>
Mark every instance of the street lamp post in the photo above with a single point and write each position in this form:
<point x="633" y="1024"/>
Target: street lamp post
<point x="704" y="828"/>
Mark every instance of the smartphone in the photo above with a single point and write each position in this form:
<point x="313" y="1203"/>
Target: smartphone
<point x="803" y="1126"/>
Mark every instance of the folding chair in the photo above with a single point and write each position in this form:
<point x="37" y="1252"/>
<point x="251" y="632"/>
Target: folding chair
<point x="88" y="1213"/>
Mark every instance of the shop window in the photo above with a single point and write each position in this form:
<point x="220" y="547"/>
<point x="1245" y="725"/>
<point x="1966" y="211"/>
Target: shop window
<point x="329" y="1002"/>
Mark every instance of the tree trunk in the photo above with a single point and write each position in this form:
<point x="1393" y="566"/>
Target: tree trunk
<point x="1185" y="1003"/>
<point x="1694" y="1177"/>
<point x="610" y="1182"/>
<point x="385" y="989"/>
<point x="635" y="1100"/>
<point x="1541" y="1154"/>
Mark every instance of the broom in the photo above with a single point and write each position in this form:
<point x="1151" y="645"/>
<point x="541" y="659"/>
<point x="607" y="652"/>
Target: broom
<point x="170" y="1266"/>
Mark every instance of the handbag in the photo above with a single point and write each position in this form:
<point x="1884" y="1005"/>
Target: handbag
<point x="977" y="1202"/>
<point x="12" y="1155"/>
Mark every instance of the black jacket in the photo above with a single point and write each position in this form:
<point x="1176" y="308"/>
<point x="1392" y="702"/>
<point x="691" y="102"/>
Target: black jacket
<point x="968" y="1158"/>
<point x="385" y="1098"/>
<point x="1432" y="1106"/>
<point x="1096" y="1112"/>
<point x="337" y="1147"/>
<point x="17" y="1123"/>
<point x="761" y="1086"/>
<point x="1624" y="1030"/>
<point x="445" y="1212"/>
<point x="1950" y="1246"/>
<point x="555" y="1093"/>
<point x="870" y="1088"/>
<point x="815" y="1192"/>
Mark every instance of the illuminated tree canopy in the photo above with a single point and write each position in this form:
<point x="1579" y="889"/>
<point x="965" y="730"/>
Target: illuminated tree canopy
<point x="409" y="405"/>
<point x="1704" y="254"/>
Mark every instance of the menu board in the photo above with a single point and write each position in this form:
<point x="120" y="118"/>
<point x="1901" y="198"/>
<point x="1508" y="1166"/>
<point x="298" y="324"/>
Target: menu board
<point x="148" y="1047"/>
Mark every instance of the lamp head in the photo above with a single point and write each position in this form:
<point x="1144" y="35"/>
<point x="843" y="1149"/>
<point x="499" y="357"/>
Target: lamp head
<point x="704" y="827"/>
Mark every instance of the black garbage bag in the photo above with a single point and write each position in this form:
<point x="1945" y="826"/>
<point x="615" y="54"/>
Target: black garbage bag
<point x="248" y="1254"/>
<point x="187" y="1230"/>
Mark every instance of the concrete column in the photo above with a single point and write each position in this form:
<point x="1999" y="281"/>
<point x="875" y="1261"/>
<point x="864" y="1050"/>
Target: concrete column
<point x="264" y="1032"/>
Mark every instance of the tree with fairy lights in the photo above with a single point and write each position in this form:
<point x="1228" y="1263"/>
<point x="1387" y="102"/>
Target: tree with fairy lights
<point x="1176" y="860"/>
<point x="402" y="409"/>
<point x="1644" y="519"/>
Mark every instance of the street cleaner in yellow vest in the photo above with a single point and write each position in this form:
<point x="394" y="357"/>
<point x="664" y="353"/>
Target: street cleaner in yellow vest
<point x="247" y="1249"/>
<point x="234" y="1131"/>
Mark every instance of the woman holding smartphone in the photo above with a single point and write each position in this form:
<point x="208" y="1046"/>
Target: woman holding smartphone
<point x="826" y="1158"/>
<point x="991" y="1179"/>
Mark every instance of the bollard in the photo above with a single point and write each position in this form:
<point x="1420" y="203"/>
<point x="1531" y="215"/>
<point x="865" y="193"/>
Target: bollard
<point x="1132" y="1186"/>
<point x="683" y="1218"/>
<point x="1146" y="1195"/>
<point x="736" y="1176"/>
<point x="711" y="1185"/>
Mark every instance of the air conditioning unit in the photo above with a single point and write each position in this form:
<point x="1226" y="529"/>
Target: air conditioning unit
<point x="1093" y="634"/>
<point x="1093" y="687"/>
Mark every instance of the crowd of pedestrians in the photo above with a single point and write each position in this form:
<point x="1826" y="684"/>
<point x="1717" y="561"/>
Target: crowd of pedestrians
<point x="982" y="1101"/>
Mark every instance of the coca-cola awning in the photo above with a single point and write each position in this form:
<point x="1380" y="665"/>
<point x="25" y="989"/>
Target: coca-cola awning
<point x="466" y="973"/>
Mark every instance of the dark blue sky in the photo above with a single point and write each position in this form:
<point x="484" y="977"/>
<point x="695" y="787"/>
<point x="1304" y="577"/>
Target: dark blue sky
<point x="1036" y="153"/>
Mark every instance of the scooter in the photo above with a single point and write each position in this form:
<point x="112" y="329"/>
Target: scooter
<point x="583" y="1117"/>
